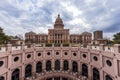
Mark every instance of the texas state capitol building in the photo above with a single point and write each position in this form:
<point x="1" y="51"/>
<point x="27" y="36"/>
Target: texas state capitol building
<point x="43" y="61"/>
<point x="58" y="35"/>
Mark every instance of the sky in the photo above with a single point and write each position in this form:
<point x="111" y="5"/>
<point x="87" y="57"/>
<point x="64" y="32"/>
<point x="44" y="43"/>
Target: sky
<point x="20" y="16"/>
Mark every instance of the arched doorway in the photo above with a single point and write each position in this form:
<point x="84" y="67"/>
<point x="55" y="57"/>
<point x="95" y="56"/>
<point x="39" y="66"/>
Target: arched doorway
<point x="15" y="75"/>
<point x="96" y="75"/>
<point x="74" y="66"/>
<point x="48" y="65"/>
<point x="84" y="70"/>
<point x="57" y="65"/>
<point x="65" y="65"/>
<point x="28" y="70"/>
<point x="107" y="77"/>
<point x="39" y="67"/>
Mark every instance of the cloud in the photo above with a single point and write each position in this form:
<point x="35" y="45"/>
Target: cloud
<point x="20" y="16"/>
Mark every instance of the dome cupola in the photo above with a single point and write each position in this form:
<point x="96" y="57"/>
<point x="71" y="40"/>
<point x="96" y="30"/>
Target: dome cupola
<point x="58" y="22"/>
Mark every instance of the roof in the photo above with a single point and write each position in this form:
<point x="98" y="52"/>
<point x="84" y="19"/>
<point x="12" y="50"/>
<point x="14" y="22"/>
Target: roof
<point x="31" y="32"/>
<point x="86" y="33"/>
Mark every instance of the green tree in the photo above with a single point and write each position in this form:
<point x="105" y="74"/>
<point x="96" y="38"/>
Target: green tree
<point x="117" y="38"/>
<point x="3" y="38"/>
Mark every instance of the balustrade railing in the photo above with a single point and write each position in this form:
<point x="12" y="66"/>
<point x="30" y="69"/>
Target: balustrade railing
<point x="76" y="75"/>
<point x="115" y="48"/>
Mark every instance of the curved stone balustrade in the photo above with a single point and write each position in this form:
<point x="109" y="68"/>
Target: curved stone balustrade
<point x="51" y="74"/>
<point x="106" y="63"/>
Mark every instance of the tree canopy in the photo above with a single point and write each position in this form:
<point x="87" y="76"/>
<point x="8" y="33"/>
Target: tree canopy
<point x="117" y="38"/>
<point x="3" y="37"/>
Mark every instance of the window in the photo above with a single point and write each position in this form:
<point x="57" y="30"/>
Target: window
<point x="21" y="42"/>
<point x="65" y="65"/>
<point x="107" y="77"/>
<point x="48" y="65"/>
<point x="109" y="63"/>
<point x="39" y="67"/>
<point x="28" y="56"/>
<point x="84" y="55"/>
<point x="49" y="79"/>
<point x="48" y="53"/>
<point x="84" y="70"/>
<point x="16" y="59"/>
<point x="57" y="53"/>
<point x="108" y="48"/>
<point x="57" y="65"/>
<point x="96" y="75"/>
<point x="39" y="54"/>
<point x="95" y="58"/>
<point x="74" y="66"/>
<point x="57" y="78"/>
<point x="1" y="63"/>
<point x="64" y="79"/>
<point x="16" y="75"/>
<point x="28" y="70"/>
<point x="65" y="53"/>
<point x="74" y="54"/>
<point x="2" y="78"/>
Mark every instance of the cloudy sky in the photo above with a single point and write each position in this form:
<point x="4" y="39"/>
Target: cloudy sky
<point x="20" y="16"/>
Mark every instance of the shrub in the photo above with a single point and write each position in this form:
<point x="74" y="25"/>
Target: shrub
<point x="48" y="44"/>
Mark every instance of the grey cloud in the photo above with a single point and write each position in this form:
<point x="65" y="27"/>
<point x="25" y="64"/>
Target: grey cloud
<point x="11" y="10"/>
<point x="99" y="14"/>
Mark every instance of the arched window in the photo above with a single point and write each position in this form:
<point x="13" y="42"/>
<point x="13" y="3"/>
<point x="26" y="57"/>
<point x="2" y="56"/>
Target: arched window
<point x="28" y="70"/>
<point x="39" y="67"/>
<point x="49" y="79"/>
<point x="84" y="70"/>
<point x="74" y="66"/>
<point x="1" y="63"/>
<point x="48" y="65"/>
<point x="57" y="65"/>
<point x="2" y="78"/>
<point x="57" y="78"/>
<point x="15" y="75"/>
<point x="107" y="77"/>
<point x="96" y="75"/>
<point x="64" y="79"/>
<point x="65" y="65"/>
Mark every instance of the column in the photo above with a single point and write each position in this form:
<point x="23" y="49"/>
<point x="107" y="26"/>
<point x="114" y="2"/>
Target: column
<point x="34" y="68"/>
<point x="23" y="72"/>
<point x="9" y="50"/>
<point x="89" y="72"/>
<point x="23" y="62"/>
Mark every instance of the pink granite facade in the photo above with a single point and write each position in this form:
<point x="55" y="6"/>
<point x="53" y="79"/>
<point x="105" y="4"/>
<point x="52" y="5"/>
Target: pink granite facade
<point x="75" y="62"/>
